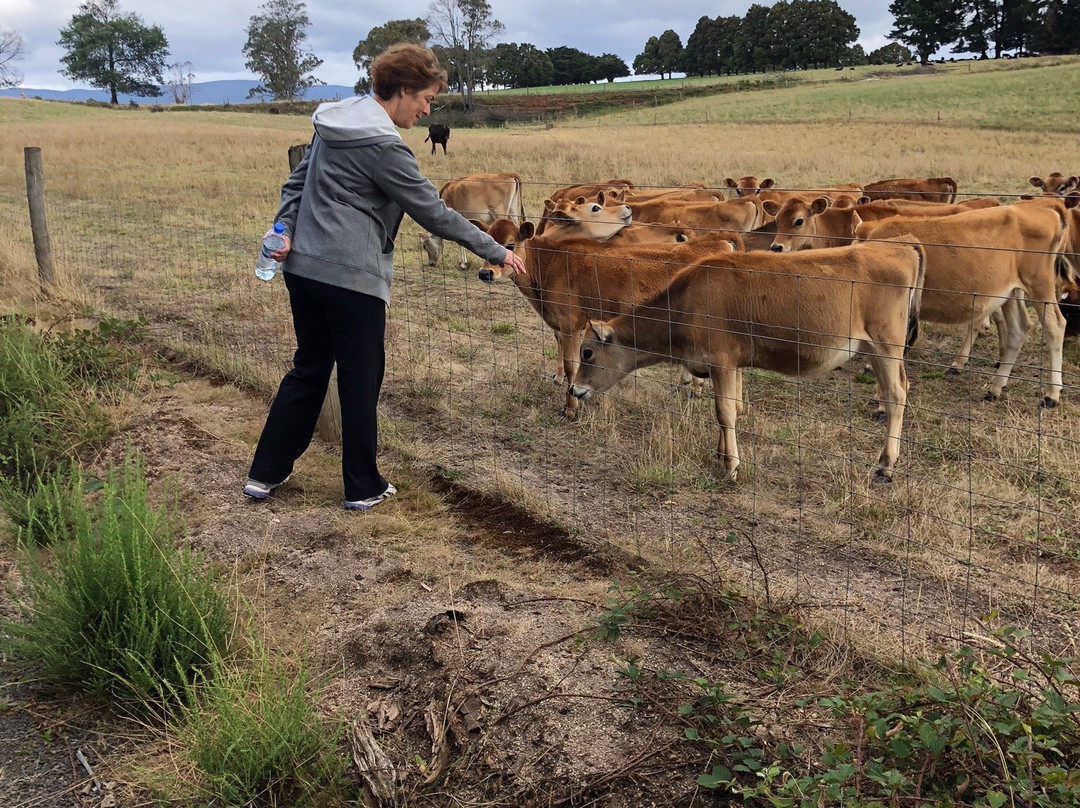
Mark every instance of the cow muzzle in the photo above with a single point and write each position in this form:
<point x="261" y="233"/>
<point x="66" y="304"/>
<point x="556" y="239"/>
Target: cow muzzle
<point x="486" y="274"/>
<point x="776" y="248"/>
<point x="583" y="393"/>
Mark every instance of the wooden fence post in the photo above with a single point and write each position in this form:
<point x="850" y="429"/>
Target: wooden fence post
<point x="329" y="426"/>
<point x="296" y="154"/>
<point x="39" y="228"/>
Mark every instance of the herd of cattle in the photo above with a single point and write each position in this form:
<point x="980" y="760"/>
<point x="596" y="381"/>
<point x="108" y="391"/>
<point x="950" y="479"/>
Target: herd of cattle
<point x="794" y="281"/>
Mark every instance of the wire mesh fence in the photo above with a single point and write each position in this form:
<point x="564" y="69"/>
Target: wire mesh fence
<point x="981" y="515"/>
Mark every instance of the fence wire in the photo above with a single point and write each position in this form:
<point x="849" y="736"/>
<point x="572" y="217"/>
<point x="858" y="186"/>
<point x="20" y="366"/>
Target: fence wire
<point x="981" y="517"/>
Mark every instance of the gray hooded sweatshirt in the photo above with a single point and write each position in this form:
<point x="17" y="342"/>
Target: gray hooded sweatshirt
<point x="343" y="204"/>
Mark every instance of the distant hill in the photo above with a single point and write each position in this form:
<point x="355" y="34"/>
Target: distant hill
<point x="208" y="92"/>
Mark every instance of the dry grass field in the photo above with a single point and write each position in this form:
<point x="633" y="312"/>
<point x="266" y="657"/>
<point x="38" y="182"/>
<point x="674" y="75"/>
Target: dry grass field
<point x="505" y="503"/>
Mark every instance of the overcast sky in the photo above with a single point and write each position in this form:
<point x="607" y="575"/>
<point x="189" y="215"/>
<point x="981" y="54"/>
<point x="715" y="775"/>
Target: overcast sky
<point x="211" y="33"/>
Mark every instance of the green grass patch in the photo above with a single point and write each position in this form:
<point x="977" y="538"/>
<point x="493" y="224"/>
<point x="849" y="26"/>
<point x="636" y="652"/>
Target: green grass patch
<point x="120" y="610"/>
<point x="256" y="739"/>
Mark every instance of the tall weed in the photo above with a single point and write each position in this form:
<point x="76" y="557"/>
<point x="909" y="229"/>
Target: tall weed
<point x="121" y="610"/>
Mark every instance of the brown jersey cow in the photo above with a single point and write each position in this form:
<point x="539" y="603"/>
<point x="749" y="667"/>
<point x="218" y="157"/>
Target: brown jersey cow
<point x="802" y="314"/>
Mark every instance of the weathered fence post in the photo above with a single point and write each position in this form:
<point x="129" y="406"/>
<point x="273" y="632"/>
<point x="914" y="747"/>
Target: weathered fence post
<point x="39" y="228"/>
<point x="296" y="154"/>
<point x="329" y="426"/>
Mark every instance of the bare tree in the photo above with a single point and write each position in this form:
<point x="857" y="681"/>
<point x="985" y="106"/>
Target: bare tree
<point x="465" y="28"/>
<point x="12" y="49"/>
<point x="179" y="81"/>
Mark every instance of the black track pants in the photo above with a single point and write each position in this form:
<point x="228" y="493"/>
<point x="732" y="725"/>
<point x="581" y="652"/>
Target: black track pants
<point x="331" y="324"/>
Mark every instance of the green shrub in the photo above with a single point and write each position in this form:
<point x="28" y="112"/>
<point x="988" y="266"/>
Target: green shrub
<point x="256" y="740"/>
<point x="51" y="509"/>
<point x="120" y="610"/>
<point x="51" y="390"/>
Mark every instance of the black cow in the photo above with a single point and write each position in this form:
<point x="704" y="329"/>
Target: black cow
<point x="437" y="133"/>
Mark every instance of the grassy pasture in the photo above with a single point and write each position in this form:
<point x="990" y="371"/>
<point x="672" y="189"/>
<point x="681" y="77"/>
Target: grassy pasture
<point x="159" y="215"/>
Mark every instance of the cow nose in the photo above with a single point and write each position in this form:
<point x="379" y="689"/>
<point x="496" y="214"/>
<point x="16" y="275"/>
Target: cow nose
<point x="486" y="275"/>
<point x="776" y="247"/>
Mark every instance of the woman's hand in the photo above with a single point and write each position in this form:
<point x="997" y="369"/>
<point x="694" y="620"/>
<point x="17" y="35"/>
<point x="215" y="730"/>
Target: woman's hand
<point x="283" y="253"/>
<point x="515" y="262"/>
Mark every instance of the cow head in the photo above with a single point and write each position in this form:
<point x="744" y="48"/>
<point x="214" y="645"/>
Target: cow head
<point x="748" y="186"/>
<point x="1056" y="184"/>
<point x="797" y="222"/>
<point x="510" y="235"/>
<point x="581" y="218"/>
<point x="433" y="246"/>
<point x="602" y="360"/>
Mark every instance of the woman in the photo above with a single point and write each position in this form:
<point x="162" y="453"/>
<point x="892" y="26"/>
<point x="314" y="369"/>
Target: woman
<point x="341" y="209"/>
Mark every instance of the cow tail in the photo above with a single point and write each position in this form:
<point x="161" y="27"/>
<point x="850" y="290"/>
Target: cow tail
<point x="915" y="299"/>
<point x="1066" y="269"/>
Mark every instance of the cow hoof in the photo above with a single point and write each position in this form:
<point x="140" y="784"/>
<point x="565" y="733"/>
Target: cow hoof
<point x="991" y="397"/>
<point x="952" y="372"/>
<point x="568" y="415"/>
<point x="879" y="417"/>
<point x="882" y="477"/>
<point x="1048" y="403"/>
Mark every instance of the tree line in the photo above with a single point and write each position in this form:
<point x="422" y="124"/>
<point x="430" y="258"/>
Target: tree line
<point x="118" y="52"/>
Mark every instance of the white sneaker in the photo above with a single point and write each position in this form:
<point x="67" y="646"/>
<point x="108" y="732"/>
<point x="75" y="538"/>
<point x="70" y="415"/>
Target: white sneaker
<point x="370" y="502"/>
<point x="257" y="490"/>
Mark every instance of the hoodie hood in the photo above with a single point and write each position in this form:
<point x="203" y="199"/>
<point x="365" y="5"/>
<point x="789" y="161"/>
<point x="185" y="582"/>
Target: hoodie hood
<point x="360" y="118"/>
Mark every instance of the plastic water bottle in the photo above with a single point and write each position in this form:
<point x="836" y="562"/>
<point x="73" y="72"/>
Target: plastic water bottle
<point x="265" y="266"/>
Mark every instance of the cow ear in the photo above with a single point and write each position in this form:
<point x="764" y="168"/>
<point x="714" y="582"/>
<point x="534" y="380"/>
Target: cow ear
<point x="579" y="201"/>
<point x="478" y="225"/>
<point x="1070" y="184"/>
<point x="527" y="230"/>
<point x="549" y="205"/>
<point x="602" y="330"/>
<point x="771" y="207"/>
<point x="729" y="182"/>
<point x="856" y="220"/>
<point x="819" y="205"/>
<point x="767" y="183"/>
<point x="863" y="200"/>
<point x="601" y="197"/>
<point x="1037" y="182"/>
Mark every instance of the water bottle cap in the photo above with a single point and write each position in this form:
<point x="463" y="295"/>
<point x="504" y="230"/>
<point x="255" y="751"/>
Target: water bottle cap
<point x="279" y="228"/>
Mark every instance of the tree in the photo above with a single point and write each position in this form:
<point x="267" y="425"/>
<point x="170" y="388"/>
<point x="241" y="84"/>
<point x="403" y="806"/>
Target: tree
<point x="669" y="52"/>
<point x="648" y="61"/>
<point x="465" y="28"/>
<point x="382" y="37"/>
<point x="926" y="25"/>
<point x="179" y="82"/>
<point x="1059" y="30"/>
<point x="891" y="54"/>
<point x="700" y="56"/>
<point x="571" y="66"/>
<point x="521" y="66"/>
<point x="611" y="67"/>
<point x="113" y="51"/>
<point x="12" y="49"/>
<point x="825" y="34"/>
<point x="276" y="52"/>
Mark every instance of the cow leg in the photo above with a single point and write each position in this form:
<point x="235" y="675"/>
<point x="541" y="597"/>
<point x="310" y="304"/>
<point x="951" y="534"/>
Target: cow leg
<point x="1053" y="329"/>
<point x="1016" y="327"/>
<point x="727" y="384"/>
<point x="893" y="385"/>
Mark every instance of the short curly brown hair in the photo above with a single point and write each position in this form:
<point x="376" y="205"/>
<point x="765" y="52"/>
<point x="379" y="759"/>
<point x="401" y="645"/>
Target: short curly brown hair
<point x="408" y="66"/>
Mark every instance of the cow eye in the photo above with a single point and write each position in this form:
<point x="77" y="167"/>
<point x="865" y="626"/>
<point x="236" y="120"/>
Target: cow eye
<point x="587" y="354"/>
<point x="510" y="246"/>
<point x="680" y="238"/>
<point x="595" y="208"/>
<point x="797" y="223"/>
